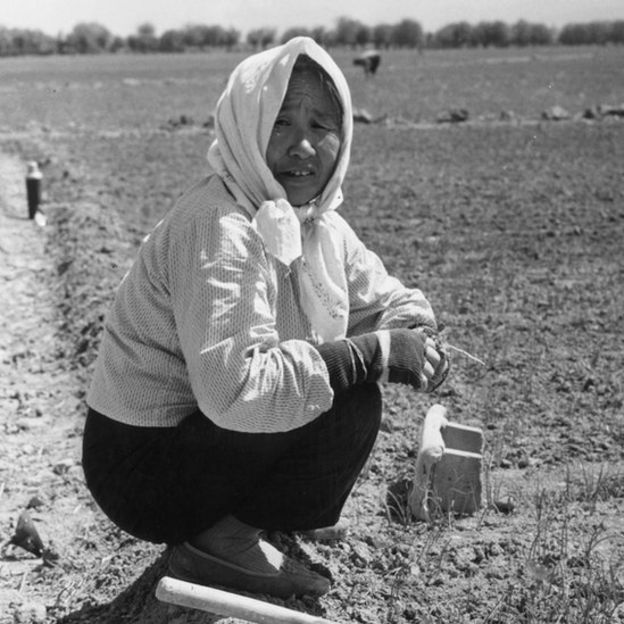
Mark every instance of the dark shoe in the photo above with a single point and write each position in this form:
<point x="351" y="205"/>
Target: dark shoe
<point x="190" y="564"/>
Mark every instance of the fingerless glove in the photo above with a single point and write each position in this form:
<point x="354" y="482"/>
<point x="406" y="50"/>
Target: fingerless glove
<point x="394" y="355"/>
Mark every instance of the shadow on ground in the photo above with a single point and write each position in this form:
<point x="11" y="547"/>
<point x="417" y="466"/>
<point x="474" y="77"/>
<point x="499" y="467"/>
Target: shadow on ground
<point x="136" y="605"/>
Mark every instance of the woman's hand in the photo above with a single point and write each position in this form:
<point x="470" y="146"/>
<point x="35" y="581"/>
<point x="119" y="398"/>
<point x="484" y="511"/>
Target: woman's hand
<point x="415" y="357"/>
<point x="412" y="356"/>
<point x="436" y="365"/>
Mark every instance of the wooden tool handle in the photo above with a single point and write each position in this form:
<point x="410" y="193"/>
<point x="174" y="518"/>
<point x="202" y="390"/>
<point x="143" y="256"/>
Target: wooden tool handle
<point x="432" y="444"/>
<point x="225" y="603"/>
<point x="431" y="451"/>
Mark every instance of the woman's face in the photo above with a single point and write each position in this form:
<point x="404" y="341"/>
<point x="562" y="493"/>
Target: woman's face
<point x="305" y="140"/>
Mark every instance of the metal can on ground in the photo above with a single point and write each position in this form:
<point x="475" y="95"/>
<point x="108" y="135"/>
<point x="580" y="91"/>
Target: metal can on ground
<point x="33" y="188"/>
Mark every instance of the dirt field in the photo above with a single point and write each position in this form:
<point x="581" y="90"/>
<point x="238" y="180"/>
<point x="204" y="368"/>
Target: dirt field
<point x="513" y="230"/>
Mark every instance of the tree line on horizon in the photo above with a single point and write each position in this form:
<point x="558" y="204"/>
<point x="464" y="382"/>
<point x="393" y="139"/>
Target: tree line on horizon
<point x="94" y="38"/>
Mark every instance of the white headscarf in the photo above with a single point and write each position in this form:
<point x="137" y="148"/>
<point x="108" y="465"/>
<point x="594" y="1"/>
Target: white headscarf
<point x="244" y="120"/>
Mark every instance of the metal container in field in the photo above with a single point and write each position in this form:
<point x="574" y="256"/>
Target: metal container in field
<point x="33" y="188"/>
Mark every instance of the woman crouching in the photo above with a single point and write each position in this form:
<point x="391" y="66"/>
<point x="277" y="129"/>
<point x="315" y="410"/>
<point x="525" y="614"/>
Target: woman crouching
<point x="236" y="387"/>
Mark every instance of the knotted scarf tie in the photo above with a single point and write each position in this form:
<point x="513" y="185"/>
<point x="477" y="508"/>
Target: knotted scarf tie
<point x="290" y="234"/>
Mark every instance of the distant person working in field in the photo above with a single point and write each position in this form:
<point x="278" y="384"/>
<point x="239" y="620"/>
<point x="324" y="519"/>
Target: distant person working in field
<point x="236" y="385"/>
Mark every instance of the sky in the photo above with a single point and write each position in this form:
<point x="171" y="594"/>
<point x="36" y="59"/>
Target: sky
<point x="122" y="17"/>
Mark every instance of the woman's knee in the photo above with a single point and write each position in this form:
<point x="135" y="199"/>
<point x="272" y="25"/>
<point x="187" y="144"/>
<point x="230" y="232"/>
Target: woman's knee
<point x="361" y="405"/>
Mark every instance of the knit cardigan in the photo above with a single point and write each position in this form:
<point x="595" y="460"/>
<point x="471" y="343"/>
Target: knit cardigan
<point x="206" y="319"/>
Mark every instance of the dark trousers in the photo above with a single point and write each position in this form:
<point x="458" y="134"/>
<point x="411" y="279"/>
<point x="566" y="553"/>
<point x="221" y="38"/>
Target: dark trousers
<point x="169" y="484"/>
